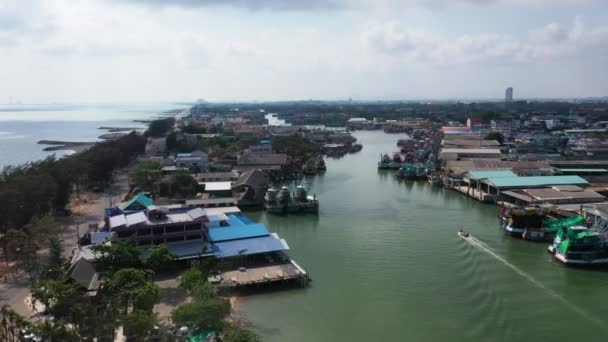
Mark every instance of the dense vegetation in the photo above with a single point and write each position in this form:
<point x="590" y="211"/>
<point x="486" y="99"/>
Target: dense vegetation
<point x="159" y="128"/>
<point x="294" y="146"/>
<point x="36" y="189"/>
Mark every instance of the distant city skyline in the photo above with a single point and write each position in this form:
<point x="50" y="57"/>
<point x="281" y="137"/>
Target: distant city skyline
<point x="276" y="50"/>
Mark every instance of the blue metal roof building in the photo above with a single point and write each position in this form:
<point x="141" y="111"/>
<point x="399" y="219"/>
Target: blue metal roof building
<point x="239" y="232"/>
<point x="262" y="244"/>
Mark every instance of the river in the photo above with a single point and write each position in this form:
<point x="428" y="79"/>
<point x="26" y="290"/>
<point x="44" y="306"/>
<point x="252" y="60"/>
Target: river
<point x="387" y="265"/>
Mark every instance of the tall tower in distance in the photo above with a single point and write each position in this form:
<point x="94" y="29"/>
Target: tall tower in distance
<point x="509" y="95"/>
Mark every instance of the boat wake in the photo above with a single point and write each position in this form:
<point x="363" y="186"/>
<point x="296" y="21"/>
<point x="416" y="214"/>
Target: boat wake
<point x="482" y="246"/>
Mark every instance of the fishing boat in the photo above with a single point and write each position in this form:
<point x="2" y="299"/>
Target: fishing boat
<point x="355" y="148"/>
<point x="281" y="202"/>
<point x="310" y="168"/>
<point x="320" y="163"/>
<point x="531" y="223"/>
<point x="463" y="234"/>
<point x="579" y="246"/>
<point x="304" y="202"/>
<point x="435" y="179"/>
<point x="411" y="171"/>
<point x="384" y="162"/>
<point x="271" y="202"/>
<point x="387" y="163"/>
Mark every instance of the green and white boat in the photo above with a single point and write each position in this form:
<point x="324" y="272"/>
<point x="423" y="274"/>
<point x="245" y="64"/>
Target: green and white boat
<point x="579" y="246"/>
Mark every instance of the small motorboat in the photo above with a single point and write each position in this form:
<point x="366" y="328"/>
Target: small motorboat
<point x="463" y="234"/>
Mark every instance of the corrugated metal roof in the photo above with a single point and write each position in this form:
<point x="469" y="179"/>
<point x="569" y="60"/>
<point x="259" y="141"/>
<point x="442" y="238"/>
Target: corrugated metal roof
<point x="509" y="182"/>
<point x="137" y="218"/>
<point x="471" y="150"/>
<point x="217" y="186"/>
<point x="256" y="245"/>
<point x="583" y="170"/>
<point x="487" y="174"/>
<point x="237" y="232"/>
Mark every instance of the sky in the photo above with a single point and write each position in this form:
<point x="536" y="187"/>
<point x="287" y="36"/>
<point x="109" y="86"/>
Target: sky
<point x="260" y="50"/>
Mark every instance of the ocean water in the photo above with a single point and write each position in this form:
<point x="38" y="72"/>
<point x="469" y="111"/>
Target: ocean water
<point x="22" y="126"/>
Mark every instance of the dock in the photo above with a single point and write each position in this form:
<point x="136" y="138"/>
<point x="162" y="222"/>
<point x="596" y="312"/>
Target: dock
<point x="289" y="272"/>
<point x="477" y="194"/>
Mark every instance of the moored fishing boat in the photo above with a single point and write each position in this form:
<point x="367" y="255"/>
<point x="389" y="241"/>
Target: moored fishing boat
<point x="435" y="179"/>
<point x="579" y="246"/>
<point x="320" y="164"/>
<point x="384" y="162"/>
<point x="310" y="168"/>
<point x="281" y="202"/>
<point x="531" y="223"/>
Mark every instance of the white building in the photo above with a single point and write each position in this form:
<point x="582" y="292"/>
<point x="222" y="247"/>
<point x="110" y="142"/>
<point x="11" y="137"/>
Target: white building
<point x="509" y="95"/>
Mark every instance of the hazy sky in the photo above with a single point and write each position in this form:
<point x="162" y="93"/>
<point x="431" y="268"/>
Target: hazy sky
<point x="159" y="50"/>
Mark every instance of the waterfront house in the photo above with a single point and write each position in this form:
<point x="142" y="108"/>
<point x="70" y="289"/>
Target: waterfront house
<point x="568" y="194"/>
<point x="251" y="187"/>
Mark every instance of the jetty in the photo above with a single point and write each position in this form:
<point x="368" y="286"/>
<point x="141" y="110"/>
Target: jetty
<point x="284" y="273"/>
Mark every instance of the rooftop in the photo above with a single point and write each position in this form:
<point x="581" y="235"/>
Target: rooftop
<point x="256" y="245"/>
<point x="239" y="227"/>
<point x="248" y="158"/>
<point x="217" y="186"/>
<point x="471" y="150"/>
<point x="487" y="174"/>
<point x="534" y="181"/>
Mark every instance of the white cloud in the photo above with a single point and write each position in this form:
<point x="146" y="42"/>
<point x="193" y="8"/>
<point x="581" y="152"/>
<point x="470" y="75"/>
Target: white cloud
<point x="552" y="41"/>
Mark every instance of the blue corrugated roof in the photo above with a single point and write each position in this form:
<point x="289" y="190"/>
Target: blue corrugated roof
<point x="488" y="174"/>
<point x="506" y="182"/>
<point x="237" y="232"/>
<point x="256" y="245"/>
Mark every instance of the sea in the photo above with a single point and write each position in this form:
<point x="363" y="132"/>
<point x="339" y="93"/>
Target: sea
<point x="22" y="126"/>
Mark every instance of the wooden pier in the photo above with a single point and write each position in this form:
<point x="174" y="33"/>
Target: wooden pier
<point x="289" y="272"/>
<point x="477" y="194"/>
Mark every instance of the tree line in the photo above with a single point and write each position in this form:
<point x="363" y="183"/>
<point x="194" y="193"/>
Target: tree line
<point x="33" y="190"/>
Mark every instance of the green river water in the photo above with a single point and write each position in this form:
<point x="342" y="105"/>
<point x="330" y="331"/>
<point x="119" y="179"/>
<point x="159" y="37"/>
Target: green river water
<point x="387" y="265"/>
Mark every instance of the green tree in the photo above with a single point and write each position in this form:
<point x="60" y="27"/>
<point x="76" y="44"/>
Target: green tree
<point x="202" y="315"/>
<point x="55" y="268"/>
<point x="146" y="175"/>
<point x="117" y="256"/>
<point x="139" y="324"/>
<point x="11" y="323"/>
<point x="241" y="335"/>
<point x="184" y="184"/>
<point x="158" y="128"/>
<point x="496" y="136"/>
<point x="132" y="286"/>
<point x="58" y="296"/>
<point x="191" y="279"/>
<point x="160" y="258"/>
<point x="55" y="331"/>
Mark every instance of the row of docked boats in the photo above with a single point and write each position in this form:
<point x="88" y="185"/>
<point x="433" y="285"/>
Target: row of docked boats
<point x="574" y="240"/>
